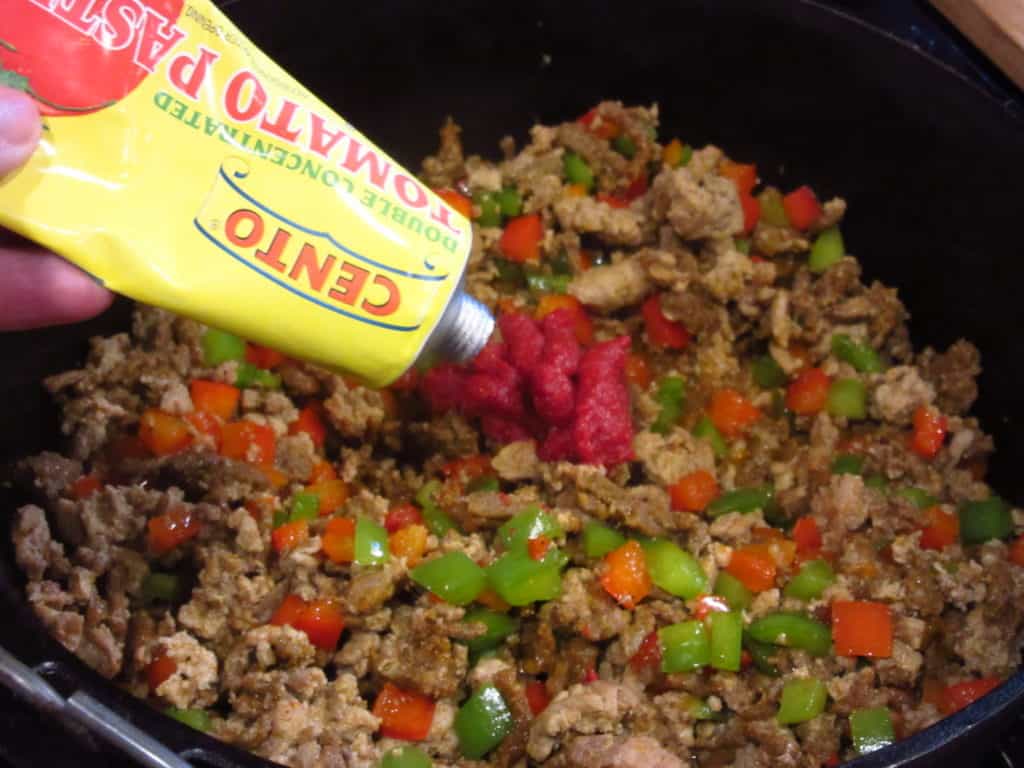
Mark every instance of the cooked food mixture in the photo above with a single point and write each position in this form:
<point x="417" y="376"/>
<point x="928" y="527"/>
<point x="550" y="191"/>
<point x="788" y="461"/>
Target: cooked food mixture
<point x="698" y="501"/>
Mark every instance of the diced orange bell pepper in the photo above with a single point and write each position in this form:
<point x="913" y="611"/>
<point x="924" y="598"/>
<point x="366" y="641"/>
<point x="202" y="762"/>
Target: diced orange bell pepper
<point x="263" y="357"/>
<point x="289" y="611"/>
<point x="163" y="433"/>
<point x="1017" y="551"/>
<point x="600" y="126"/>
<point x="584" y="326"/>
<point x="159" y="670"/>
<point x="576" y="190"/>
<point x="662" y="332"/>
<point x="289" y="535"/>
<point x="405" y="715"/>
<point x="456" y="200"/>
<point x="942" y="530"/>
<point x="807" y="535"/>
<point x="672" y="153"/>
<point x="755" y="566"/>
<point x="409" y="542"/>
<point x="170" y="530"/>
<point x="520" y="240"/>
<point x="802" y="208"/>
<point x="538" y="547"/>
<point x="638" y="372"/>
<point x="707" y="604"/>
<point x="612" y="201"/>
<point x="742" y="175"/>
<point x="207" y="424"/>
<point x="323" y="623"/>
<point x="693" y="492"/>
<point x="731" y="412"/>
<point x="648" y="654"/>
<point x="751" y="212"/>
<point x="953" y="698"/>
<point x="862" y="628"/>
<point x="322" y="470"/>
<point x="929" y="432"/>
<point x="311" y="422"/>
<point x="402" y="515"/>
<point x="338" y="541"/>
<point x="214" y="397"/>
<point x="248" y="441"/>
<point x="537" y="696"/>
<point x="491" y="599"/>
<point x="86" y="485"/>
<point x="332" y="494"/>
<point x="808" y="392"/>
<point x="625" y="575"/>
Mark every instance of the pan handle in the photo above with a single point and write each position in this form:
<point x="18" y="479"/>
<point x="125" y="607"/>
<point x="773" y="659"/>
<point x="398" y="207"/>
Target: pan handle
<point x="83" y="709"/>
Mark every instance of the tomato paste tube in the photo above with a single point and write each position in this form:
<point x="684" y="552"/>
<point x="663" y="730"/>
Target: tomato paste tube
<point x="182" y="167"/>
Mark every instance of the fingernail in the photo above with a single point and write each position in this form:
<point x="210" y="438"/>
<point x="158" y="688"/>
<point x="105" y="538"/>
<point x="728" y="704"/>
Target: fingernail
<point x="19" y="119"/>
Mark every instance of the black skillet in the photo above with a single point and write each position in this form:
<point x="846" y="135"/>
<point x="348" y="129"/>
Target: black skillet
<point x="932" y="167"/>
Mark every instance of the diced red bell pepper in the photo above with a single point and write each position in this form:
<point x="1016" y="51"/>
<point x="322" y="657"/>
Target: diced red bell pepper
<point x="637" y="188"/>
<point x="538" y="547"/>
<point x="323" y="623"/>
<point x="338" y="541"/>
<point x="466" y="469"/>
<point x="289" y="611"/>
<point x="263" y="357"/>
<point x="170" y="530"/>
<point x="288" y="536"/>
<point x="625" y="576"/>
<point x="521" y="238"/>
<point x="929" y="432"/>
<point x="802" y="208"/>
<point x="808" y="392"/>
<point x="755" y="566"/>
<point x="661" y="331"/>
<point x="807" y="535"/>
<point x="456" y="200"/>
<point x="953" y="698"/>
<point x="537" y="696"/>
<point x="707" y="604"/>
<point x="648" y="654"/>
<point x="214" y="397"/>
<point x="600" y="126"/>
<point x="694" y="491"/>
<point x="311" y="422"/>
<point x="638" y="372"/>
<point x="403" y="714"/>
<point x="862" y="628"/>
<point x="86" y="485"/>
<point x="163" y="433"/>
<point x="942" y="530"/>
<point x="612" y="201"/>
<point x="751" y="212"/>
<point x="1017" y="551"/>
<point x="402" y="515"/>
<point x="731" y="412"/>
<point x="743" y="175"/>
<point x="159" y="670"/>
<point x="207" y="424"/>
<point x="583" y="325"/>
<point x="248" y="441"/>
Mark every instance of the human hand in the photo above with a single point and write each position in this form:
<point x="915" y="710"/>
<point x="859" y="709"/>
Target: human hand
<point x="37" y="288"/>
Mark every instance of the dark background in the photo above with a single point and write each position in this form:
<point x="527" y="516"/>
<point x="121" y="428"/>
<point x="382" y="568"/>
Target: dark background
<point x="28" y="738"/>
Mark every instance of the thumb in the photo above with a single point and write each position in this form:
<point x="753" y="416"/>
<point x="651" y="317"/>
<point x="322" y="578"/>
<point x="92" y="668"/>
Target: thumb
<point x="20" y="128"/>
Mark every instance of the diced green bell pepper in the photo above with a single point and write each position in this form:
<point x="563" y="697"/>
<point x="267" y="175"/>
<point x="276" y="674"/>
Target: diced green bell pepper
<point x="848" y="464"/>
<point x="876" y="481"/>
<point x="520" y="580"/>
<point x="733" y="590"/>
<point x="684" y="647"/>
<point x="437" y="522"/>
<point x="810" y="581"/>
<point x="767" y="373"/>
<point x="406" y="757"/>
<point x="198" y="719"/>
<point x="793" y="630"/>
<point x="670" y="395"/>
<point x="560" y="264"/>
<point x="161" y="587"/>
<point x="249" y="375"/>
<point x="803" y="699"/>
<point x="828" y="249"/>
<point x="871" y="729"/>
<point x="539" y="283"/>
<point x="526" y="525"/>
<point x="280" y="518"/>
<point x="761" y="655"/>
<point x="487" y="483"/>
<point x="674" y="570"/>
<point x="742" y="244"/>
<point x="726" y="639"/>
<point x="220" y="346"/>
<point x="510" y="200"/>
<point x="706" y="430"/>
<point x="862" y="357"/>
<point x="981" y="521"/>
<point x="305" y="506"/>
<point x="599" y="540"/>
<point x="453" y="577"/>
<point x="624" y="145"/>
<point x="499" y="626"/>
<point x="482" y="722"/>
<point x="371" y="543"/>
<point x="742" y="500"/>
<point x="577" y="171"/>
<point x="772" y="210"/>
<point x="511" y="272"/>
<point x="847" y="397"/>
<point x="490" y="208"/>
<point x="918" y="497"/>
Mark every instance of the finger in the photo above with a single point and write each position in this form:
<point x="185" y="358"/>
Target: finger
<point x="40" y="289"/>
<point x="20" y="128"/>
